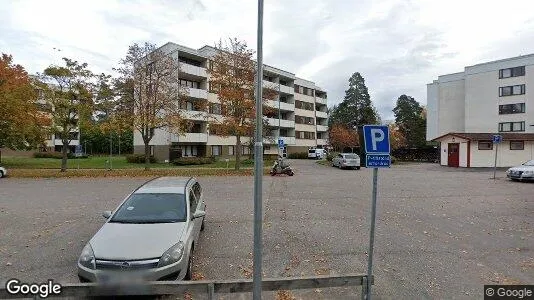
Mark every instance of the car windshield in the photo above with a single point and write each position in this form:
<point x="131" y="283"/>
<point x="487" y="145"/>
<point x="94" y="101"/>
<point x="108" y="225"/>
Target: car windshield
<point x="529" y="163"/>
<point x="351" y="156"/>
<point x="152" y="208"/>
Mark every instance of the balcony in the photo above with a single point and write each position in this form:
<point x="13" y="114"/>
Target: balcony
<point x="287" y="89"/>
<point x="321" y="114"/>
<point x="283" y="105"/>
<point x="193" y="70"/>
<point x="283" y="123"/>
<point x="270" y="85"/>
<point x="322" y="128"/>
<point x="197" y="93"/>
<point x="194" y="115"/>
<point x="322" y="142"/>
<point x="189" y="137"/>
<point x="273" y="140"/>
<point x="320" y="100"/>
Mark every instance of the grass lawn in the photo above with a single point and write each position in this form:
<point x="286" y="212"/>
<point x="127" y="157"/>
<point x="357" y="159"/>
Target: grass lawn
<point x="101" y="162"/>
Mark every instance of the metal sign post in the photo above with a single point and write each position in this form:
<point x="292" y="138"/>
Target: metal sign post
<point x="376" y="153"/>
<point x="258" y="164"/>
<point x="497" y="139"/>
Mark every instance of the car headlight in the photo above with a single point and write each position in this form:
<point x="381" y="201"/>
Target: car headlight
<point x="87" y="258"/>
<point x="508" y="171"/>
<point x="172" y="255"/>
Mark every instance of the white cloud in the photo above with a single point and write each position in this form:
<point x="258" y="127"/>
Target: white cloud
<point x="397" y="45"/>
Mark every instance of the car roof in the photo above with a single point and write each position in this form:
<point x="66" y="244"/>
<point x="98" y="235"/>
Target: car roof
<point x="165" y="185"/>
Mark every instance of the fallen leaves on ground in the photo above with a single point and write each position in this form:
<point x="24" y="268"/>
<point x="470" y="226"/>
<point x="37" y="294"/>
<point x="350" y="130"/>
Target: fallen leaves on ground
<point x="285" y="295"/>
<point x="198" y="276"/>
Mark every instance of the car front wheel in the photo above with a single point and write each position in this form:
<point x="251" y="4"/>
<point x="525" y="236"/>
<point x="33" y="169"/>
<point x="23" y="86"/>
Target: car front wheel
<point x="189" y="274"/>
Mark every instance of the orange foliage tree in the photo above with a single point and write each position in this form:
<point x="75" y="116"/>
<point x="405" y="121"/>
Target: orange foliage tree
<point x="20" y="121"/>
<point x="342" y="137"/>
<point x="396" y="137"/>
<point x="232" y="76"/>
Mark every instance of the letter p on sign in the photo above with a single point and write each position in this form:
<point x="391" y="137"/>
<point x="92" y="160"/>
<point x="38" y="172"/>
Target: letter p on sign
<point x="376" y="139"/>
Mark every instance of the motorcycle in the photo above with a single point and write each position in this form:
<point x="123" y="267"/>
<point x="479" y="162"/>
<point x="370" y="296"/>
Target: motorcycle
<point x="281" y="166"/>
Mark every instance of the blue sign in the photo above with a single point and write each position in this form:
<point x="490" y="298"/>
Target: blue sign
<point x="281" y="143"/>
<point x="378" y="161"/>
<point x="376" y="139"/>
<point x="376" y="146"/>
<point x="497" y="139"/>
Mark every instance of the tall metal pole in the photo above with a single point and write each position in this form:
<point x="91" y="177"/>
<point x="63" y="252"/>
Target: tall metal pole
<point x="258" y="164"/>
<point x="495" y="164"/>
<point x="372" y="235"/>
<point x="110" y="151"/>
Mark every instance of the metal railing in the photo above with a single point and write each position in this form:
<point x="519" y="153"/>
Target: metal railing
<point x="211" y="288"/>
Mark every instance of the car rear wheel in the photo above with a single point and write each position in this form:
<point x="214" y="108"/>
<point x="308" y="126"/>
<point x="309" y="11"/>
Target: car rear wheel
<point x="1" y="174"/>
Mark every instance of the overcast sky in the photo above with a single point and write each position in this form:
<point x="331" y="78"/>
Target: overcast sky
<point x="397" y="45"/>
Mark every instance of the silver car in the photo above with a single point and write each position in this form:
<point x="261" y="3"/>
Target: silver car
<point x="151" y="236"/>
<point x="346" y="160"/>
<point x="3" y="172"/>
<point x="523" y="172"/>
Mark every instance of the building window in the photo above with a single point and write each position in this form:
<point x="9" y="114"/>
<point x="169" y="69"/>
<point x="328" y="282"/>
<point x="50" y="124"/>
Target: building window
<point x="189" y="84"/>
<point x="485" y="145"/>
<point x="517" y="145"/>
<point x="511" y="126"/>
<point x="512" y="72"/>
<point x="189" y="151"/>
<point x="304" y="105"/>
<point x="266" y="148"/>
<point x="512" y="90"/>
<point x="304" y="120"/>
<point x="189" y="61"/>
<point x="245" y="150"/>
<point x="231" y="150"/>
<point x="515" y="108"/>
<point x="216" y="150"/>
<point x="215" y="108"/>
<point x="151" y="150"/>
<point x="305" y="135"/>
<point x="296" y="88"/>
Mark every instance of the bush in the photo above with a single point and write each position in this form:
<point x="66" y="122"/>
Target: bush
<point x="331" y="155"/>
<point x="188" y="161"/>
<point x="139" y="159"/>
<point x="57" y="155"/>
<point x="298" y="155"/>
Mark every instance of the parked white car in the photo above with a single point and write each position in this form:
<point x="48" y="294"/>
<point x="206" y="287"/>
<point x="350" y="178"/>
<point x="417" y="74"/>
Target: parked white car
<point x="523" y="172"/>
<point x="3" y="172"/>
<point x="316" y="153"/>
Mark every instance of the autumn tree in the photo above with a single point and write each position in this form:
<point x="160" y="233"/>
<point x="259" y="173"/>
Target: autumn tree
<point x="343" y="136"/>
<point x="232" y="75"/>
<point x="20" y="121"/>
<point x="68" y="92"/>
<point x="396" y="138"/>
<point x="156" y="96"/>
<point x="410" y="117"/>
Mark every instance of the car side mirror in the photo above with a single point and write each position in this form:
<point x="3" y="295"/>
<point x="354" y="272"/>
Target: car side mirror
<point x="107" y="214"/>
<point x="198" y="214"/>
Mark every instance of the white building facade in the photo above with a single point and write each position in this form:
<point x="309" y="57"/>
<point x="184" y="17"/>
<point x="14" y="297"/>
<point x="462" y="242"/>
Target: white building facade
<point x="300" y="119"/>
<point x="465" y="110"/>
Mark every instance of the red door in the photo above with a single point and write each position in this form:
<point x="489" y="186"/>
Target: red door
<point x="454" y="155"/>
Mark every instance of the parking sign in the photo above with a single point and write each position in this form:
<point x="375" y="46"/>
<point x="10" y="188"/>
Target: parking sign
<point x="281" y="143"/>
<point x="376" y="146"/>
<point x="497" y="139"/>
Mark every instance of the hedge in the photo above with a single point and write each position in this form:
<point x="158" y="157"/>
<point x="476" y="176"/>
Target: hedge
<point x="187" y="161"/>
<point x="298" y="155"/>
<point x="139" y="159"/>
<point x="331" y="155"/>
<point x="56" y="155"/>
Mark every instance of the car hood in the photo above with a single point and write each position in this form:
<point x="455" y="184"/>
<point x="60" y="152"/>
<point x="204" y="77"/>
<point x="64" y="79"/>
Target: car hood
<point x="116" y="241"/>
<point x="522" y="168"/>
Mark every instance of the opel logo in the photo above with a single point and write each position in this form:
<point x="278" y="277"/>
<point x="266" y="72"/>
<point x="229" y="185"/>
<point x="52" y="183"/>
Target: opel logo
<point x="125" y="265"/>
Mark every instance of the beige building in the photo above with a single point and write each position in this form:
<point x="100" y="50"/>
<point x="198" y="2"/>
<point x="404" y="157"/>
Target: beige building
<point x="300" y="119"/>
<point x="465" y="110"/>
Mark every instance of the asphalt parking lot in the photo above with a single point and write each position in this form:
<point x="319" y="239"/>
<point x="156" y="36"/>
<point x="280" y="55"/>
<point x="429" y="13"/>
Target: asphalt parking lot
<point x="441" y="233"/>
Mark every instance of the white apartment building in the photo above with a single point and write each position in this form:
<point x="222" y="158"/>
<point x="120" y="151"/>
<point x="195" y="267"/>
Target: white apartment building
<point x="465" y="110"/>
<point x="300" y="119"/>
